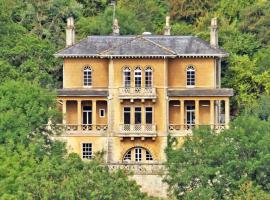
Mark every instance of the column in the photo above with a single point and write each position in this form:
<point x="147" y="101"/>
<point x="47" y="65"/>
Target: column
<point x="94" y="114"/>
<point x="182" y="114"/>
<point x="79" y="114"/>
<point x="212" y="114"/>
<point x="227" y="113"/>
<point x="197" y="113"/>
<point x="64" y="111"/>
<point x="143" y="116"/>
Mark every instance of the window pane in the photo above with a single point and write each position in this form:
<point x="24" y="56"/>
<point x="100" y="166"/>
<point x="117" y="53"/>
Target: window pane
<point x="87" y="150"/>
<point x="138" y="115"/>
<point x="149" y="115"/>
<point x="138" y="154"/>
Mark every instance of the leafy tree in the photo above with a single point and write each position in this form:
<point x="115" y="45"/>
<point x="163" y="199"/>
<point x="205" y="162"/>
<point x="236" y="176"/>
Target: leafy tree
<point x="35" y="167"/>
<point x="214" y="166"/>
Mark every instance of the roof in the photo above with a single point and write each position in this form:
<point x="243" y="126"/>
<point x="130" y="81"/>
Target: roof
<point x="141" y="46"/>
<point x="82" y="92"/>
<point x="226" y="92"/>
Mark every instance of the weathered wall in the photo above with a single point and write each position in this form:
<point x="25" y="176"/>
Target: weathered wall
<point x="152" y="185"/>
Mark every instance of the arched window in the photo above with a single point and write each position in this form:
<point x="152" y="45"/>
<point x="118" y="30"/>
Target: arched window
<point x="138" y="77"/>
<point x="87" y="76"/>
<point x="138" y="154"/>
<point x="148" y="77"/>
<point x="127" y="77"/>
<point x="190" y="76"/>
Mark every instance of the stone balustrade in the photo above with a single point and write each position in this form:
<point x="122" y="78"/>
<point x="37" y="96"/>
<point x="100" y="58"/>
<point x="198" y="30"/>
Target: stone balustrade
<point x="84" y="127"/>
<point x="137" y="128"/>
<point x="139" y="168"/>
<point x="181" y="128"/>
<point x="131" y="92"/>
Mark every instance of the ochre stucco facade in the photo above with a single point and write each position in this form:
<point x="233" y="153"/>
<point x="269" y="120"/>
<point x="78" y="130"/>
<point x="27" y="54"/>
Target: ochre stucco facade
<point x="169" y="113"/>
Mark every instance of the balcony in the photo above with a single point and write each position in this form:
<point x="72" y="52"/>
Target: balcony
<point x="83" y="128"/>
<point x="137" y="130"/>
<point x="186" y="129"/>
<point x="137" y="93"/>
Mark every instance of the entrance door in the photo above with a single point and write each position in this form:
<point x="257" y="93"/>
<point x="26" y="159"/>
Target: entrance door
<point x="87" y="115"/>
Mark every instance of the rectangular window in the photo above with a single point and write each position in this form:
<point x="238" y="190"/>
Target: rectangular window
<point x="87" y="150"/>
<point x="138" y="78"/>
<point x="138" y="115"/>
<point x="87" y="115"/>
<point x="190" y="114"/>
<point x="148" y="79"/>
<point x="190" y="77"/>
<point x="138" y="154"/>
<point x="101" y="112"/>
<point x="127" y="80"/>
<point x="87" y="77"/>
<point x="127" y="115"/>
<point x="149" y="115"/>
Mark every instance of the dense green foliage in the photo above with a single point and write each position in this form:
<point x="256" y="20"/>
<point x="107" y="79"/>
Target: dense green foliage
<point x="230" y="165"/>
<point x="34" y="167"/>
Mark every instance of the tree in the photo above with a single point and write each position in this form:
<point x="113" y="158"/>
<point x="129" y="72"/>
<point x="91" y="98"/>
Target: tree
<point x="35" y="167"/>
<point x="214" y="166"/>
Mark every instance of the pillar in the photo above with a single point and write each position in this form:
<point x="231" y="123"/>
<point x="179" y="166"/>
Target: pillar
<point x="212" y="114"/>
<point x="182" y="114"/>
<point x="64" y="111"/>
<point x="227" y="113"/>
<point x="143" y="114"/>
<point x="197" y="113"/>
<point x="79" y="114"/>
<point x="94" y="113"/>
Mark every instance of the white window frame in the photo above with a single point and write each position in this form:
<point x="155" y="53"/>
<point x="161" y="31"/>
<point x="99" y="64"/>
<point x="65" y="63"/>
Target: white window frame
<point x="126" y="83"/>
<point x="138" y="154"/>
<point x="148" y="74"/>
<point x="190" y="81"/>
<point x="138" y="75"/>
<point x="87" y="114"/>
<point x="90" y="150"/>
<point x="148" y="155"/>
<point x="190" y="109"/>
<point x="87" y="76"/>
<point x="100" y="110"/>
<point x="128" y="156"/>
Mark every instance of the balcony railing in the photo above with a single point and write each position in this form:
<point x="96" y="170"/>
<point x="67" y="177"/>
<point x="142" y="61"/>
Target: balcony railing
<point x="139" y="168"/>
<point x="84" y="128"/>
<point x="147" y="92"/>
<point x="138" y="128"/>
<point x="185" y="128"/>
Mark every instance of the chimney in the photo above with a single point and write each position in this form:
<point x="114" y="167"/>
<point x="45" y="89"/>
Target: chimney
<point x="214" y="33"/>
<point x="116" y="27"/>
<point x="70" y="32"/>
<point x="167" y="28"/>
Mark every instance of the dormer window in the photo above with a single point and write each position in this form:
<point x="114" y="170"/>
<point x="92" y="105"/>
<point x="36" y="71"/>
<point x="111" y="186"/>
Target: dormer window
<point x="148" y="77"/>
<point x="87" y="76"/>
<point x="190" y="76"/>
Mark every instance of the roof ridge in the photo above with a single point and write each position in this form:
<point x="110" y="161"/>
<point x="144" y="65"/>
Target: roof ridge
<point x="114" y="47"/>
<point x="160" y="46"/>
